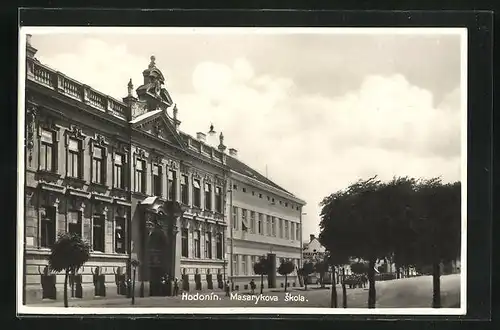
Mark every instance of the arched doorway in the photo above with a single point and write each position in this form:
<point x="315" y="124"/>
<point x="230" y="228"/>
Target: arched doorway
<point x="157" y="248"/>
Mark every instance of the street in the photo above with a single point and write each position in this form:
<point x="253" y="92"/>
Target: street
<point x="403" y="293"/>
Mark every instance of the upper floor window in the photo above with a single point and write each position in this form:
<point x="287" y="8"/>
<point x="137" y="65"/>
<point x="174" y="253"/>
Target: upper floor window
<point x="287" y="231"/>
<point x="171" y="185"/>
<point x="47" y="151"/>
<point x="208" y="245"/>
<point x="252" y="222"/>
<point x="120" y="235"/>
<point x="184" y="242"/>
<point x="235" y="187"/>
<point x="196" y="245"/>
<point x="244" y="264"/>
<point x="292" y="230"/>
<point x="184" y="189"/>
<point x="119" y="171"/>
<point x="286" y="204"/>
<point x="244" y="190"/>
<point x="273" y="226"/>
<point x="219" y="246"/>
<point x="259" y="225"/>
<point x="280" y="229"/>
<point x="98" y="233"/>
<point x="48" y="227"/>
<point x="196" y="193"/>
<point x="218" y="199"/>
<point x="157" y="176"/>
<point x="235" y="217"/>
<point x="98" y="165"/>
<point x="208" y="196"/>
<point x="75" y="222"/>
<point x="140" y="176"/>
<point x="75" y="158"/>
<point x="268" y="225"/>
<point x="297" y="232"/>
<point x="260" y="195"/>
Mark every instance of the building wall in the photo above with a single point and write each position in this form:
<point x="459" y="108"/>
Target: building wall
<point x="247" y="246"/>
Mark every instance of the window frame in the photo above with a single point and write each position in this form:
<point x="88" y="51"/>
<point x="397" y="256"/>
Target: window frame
<point x="184" y="189"/>
<point x="197" y="243"/>
<point x="185" y="243"/>
<point x="79" y="214"/>
<point x="53" y="222"/>
<point x="123" y="170"/>
<point x="171" y="185"/>
<point x="70" y="154"/>
<point x="208" y="195"/>
<point x="125" y="233"/>
<point x="157" y="180"/>
<point x="102" y="220"/>
<point x="196" y="195"/>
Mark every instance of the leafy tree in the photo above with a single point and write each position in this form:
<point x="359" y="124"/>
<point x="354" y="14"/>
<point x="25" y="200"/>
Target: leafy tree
<point x="321" y="267"/>
<point x="359" y="268"/>
<point x="261" y="268"/>
<point x="68" y="254"/>
<point x="286" y="268"/>
<point x="306" y="270"/>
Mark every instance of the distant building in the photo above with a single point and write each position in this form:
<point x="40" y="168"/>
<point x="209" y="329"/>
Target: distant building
<point x="313" y="250"/>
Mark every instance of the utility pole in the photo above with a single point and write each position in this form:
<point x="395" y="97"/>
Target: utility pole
<point x="231" y="215"/>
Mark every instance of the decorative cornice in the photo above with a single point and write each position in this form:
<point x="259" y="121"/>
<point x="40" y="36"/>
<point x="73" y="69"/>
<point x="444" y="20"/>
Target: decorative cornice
<point x="75" y="132"/>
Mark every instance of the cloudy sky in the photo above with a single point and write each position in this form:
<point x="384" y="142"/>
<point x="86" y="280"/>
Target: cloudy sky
<point x="319" y="110"/>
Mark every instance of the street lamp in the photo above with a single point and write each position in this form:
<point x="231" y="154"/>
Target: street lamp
<point x="134" y="263"/>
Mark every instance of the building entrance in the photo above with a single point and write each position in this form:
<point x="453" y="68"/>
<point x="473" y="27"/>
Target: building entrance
<point x="158" y="261"/>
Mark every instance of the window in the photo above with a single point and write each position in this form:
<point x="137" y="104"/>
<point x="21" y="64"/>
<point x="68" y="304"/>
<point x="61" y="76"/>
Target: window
<point x="297" y="208"/>
<point x="196" y="193"/>
<point x="235" y="264"/>
<point x="208" y="196"/>
<point x="157" y="186"/>
<point x="75" y="222"/>
<point x="235" y="217"/>
<point x="184" y="189"/>
<point x="286" y="204"/>
<point x="273" y="226"/>
<point x="208" y="245"/>
<point x="280" y="229"/>
<point x="260" y="195"/>
<point x="235" y="187"/>
<point x="268" y="198"/>
<point x="218" y="199"/>
<point x="272" y="200"/>
<point x="140" y="176"/>
<point x="244" y="264"/>
<point x="268" y="225"/>
<point x="98" y="166"/>
<point x="252" y="260"/>
<point x="184" y="242"/>
<point x="244" y="217"/>
<point x="47" y="151"/>
<point x="197" y="250"/>
<point x="74" y="158"/>
<point x="252" y="222"/>
<point x="98" y="233"/>
<point x="287" y="232"/>
<point x="280" y="202"/>
<point x="171" y="185"/>
<point x="244" y="190"/>
<point x="120" y="235"/>
<point x="48" y="230"/>
<point x="292" y="230"/>
<point x="259" y="225"/>
<point x="253" y="193"/>
<point x="118" y="174"/>
<point x="297" y="232"/>
<point x="219" y="246"/>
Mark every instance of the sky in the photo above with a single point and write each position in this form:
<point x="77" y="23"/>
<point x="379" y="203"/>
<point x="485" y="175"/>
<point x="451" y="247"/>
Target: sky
<point x="319" y="111"/>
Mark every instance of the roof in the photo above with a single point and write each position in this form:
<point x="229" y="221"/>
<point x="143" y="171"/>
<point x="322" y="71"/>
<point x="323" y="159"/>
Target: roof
<point x="240" y="167"/>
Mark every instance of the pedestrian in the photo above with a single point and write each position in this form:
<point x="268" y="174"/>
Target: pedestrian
<point x="176" y="286"/>
<point x="227" y="289"/>
<point x="252" y="286"/>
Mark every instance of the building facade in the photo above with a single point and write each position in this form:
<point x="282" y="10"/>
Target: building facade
<point x="266" y="221"/>
<point x="121" y="174"/>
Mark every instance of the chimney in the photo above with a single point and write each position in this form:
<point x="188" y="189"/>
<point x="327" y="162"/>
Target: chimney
<point x="311" y="237"/>
<point x="201" y="136"/>
<point x="233" y="152"/>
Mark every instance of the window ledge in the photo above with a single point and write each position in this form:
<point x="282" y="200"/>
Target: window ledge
<point x="141" y="194"/>
<point x="120" y="190"/>
<point x="99" y="185"/>
<point x="75" y="180"/>
<point x="51" y="174"/>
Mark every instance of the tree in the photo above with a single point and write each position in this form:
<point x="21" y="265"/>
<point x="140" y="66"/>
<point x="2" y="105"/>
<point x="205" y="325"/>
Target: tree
<point x="321" y="267"/>
<point x="359" y="268"/>
<point x="261" y="268"/>
<point x="306" y="270"/>
<point x="286" y="268"/>
<point x="436" y="227"/>
<point x="68" y="254"/>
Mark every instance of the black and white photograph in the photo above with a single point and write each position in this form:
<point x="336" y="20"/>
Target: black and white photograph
<point x="174" y="170"/>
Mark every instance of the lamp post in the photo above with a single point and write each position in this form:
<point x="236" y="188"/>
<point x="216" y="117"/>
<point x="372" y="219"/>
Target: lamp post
<point x="301" y="240"/>
<point x="134" y="263"/>
<point x="231" y="223"/>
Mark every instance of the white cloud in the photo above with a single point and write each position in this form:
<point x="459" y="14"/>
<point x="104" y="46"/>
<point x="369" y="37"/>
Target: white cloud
<point x="312" y="145"/>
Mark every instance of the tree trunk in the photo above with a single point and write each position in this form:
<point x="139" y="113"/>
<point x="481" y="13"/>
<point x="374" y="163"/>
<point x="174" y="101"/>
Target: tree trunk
<point x="371" y="279"/>
<point x="436" y="285"/>
<point x="261" y="283"/>
<point x="66" y="275"/>
<point x="286" y="283"/>
<point x="333" y="303"/>
<point x="407" y="271"/>
<point x="398" y="272"/>
<point x="344" y="290"/>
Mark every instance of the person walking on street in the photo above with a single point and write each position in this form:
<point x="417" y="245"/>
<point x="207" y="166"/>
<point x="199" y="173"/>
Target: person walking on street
<point x="252" y="286"/>
<point x="176" y="286"/>
<point x="227" y="289"/>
